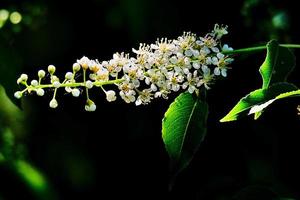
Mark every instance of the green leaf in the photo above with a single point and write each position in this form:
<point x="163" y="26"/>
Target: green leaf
<point x="258" y="100"/>
<point x="183" y="129"/>
<point x="294" y="93"/>
<point x="279" y="62"/>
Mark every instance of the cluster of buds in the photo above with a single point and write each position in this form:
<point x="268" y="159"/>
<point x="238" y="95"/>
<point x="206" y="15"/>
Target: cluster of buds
<point x="186" y="63"/>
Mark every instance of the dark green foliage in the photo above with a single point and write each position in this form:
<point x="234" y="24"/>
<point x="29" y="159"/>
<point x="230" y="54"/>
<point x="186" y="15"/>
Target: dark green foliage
<point x="183" y="129"/>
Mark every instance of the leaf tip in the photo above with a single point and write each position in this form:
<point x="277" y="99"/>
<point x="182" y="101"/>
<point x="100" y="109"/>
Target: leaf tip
<point x="225" y="119"/>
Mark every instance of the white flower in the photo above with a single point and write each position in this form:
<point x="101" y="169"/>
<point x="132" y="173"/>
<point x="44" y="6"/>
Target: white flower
<point x="221" y="62"/>
<point x="53" y="103"/>
<point x="192" y="81"/>
<point x="196" y="65"/>
<point x="129" y="96"/>
<point x="226" y="48"/>
<point x="102" y="75"/>
<point x="219" y="31"/>
<point x="163" y="46"/>
<point x="18" y="94"/>
<point x="207" y="77"/>
<point x="84" y="62"/>
<point x="163" y="92"/>
<point x="40" y="92"/>
<point x="153" y="78"/>
<point x="133" y="74"/>
<point x="174" y="80"/>
<point x="110" y="96"/>
<point x="208" y="42"/>
<point x="115" y="65"/>
<point x="75" y="92"/>
<point x="173" y="60"/>
<point x="188" y="53"/>
<point x="144" y="97"/>
<point x="94" y="65"/>
<point x="186" y="40"/>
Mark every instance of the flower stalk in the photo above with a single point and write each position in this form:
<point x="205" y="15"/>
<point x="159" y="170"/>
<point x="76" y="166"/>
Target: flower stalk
<point x="187" y="63"/>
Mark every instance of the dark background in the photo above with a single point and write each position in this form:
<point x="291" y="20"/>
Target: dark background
<point x="117" y="151"/>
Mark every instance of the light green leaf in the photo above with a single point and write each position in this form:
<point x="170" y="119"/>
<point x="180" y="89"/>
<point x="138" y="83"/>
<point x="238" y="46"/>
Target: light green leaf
<point x="294" y="93"/>
<point x="258" y="100"/>
<point x="279" y="62"/>
<point x="183" y="129"/>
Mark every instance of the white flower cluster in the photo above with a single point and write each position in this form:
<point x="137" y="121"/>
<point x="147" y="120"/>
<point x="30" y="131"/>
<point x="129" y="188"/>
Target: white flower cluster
<point x="186" y="63"/>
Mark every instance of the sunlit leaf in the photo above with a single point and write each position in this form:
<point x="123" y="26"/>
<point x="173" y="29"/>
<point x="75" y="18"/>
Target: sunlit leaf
<point x="258" y="100"/>
<point x="10" y="115"/>
<point x="183" y="129"/>
<point x="279" y="62"/>
<point x="34" y="179"/>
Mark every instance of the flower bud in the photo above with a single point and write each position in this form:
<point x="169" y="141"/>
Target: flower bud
<point x="69" y="75"/>
<point x="40" y="92"/>
<point x="34" y="83"/>
<point x="18" y="94"/>
<point x="54" y="78"/>
<point x="89" y="84"/>
<point x="111" y="96"/>
<point x="51" y="69"/>
<point x="90" y="106"/>
<point x="23" y="78"/>
<point x="56" y="84"/>
<point x="41" y="73"/>
<point x="76" y="67"/>
<point x="53" y="103"/>
<point x="19" y="80"/>
<point x="75" y="92"/>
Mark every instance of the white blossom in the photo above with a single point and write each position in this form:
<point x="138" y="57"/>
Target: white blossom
<point x="226" y="48"/>
<point x="219" y="31"/>
<point x="18" y="94"/>
<point x="186" y="63"/>
<point x="84" y="62"/>
<point x="110" y="95"/>
<point x="90" y="106"/>
<point x="144" y="97"/>
<point x="53" y="103"/>
<point x="75" y="92"/>
<point x="40" y="92"/>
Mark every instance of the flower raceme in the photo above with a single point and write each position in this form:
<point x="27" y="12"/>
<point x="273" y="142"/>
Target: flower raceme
<point x="186" y="63"/>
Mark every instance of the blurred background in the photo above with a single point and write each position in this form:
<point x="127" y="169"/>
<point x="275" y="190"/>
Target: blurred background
<point x="117" y="151"/>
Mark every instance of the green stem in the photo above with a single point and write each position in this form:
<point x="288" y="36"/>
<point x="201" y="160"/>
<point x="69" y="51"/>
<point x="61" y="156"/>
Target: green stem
<point x="80" y="84"/>
<point x="84" y="82"/>
<point x="258" y="48"/>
